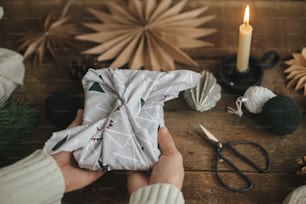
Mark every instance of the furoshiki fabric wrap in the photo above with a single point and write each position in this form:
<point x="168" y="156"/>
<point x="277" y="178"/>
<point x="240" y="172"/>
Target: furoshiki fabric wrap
<point x="122" y="114"/>
<point x="12" y="72"/>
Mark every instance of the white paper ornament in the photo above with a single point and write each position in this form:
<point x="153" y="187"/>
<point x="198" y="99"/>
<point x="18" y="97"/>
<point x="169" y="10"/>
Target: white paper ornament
<point x="205" y="95"/>
<point x="256" y="97"/>
<point x="253" y="99"/>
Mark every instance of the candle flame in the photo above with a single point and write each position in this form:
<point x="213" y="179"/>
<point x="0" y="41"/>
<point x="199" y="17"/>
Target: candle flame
<point x="246" y="15"/>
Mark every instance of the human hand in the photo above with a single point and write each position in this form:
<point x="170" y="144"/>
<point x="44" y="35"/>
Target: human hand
<point x="169" y="168"/>
<point x="75" y="177"/>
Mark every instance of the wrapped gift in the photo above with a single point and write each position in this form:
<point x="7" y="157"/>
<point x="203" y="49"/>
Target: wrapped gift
<point x="12" y="72"/>
<point x="123" y="112"/>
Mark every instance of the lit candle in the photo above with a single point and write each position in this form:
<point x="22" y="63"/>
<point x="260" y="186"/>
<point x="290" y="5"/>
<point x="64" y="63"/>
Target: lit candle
<point x="244" y="45"/>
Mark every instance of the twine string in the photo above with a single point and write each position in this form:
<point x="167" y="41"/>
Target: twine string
<point x="240" y="100"/>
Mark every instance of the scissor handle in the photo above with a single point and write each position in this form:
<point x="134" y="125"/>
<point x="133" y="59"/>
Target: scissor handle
<point x="249" y="184"/>
<point x="230" y="146"/>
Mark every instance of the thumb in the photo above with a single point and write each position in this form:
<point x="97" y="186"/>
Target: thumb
<point x="136" y="180"/>
<point x="165" y="141"/>
<point x="77" y="120"/>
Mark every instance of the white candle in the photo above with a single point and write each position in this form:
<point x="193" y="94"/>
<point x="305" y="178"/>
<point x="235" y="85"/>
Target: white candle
<point x="244" y="44"/>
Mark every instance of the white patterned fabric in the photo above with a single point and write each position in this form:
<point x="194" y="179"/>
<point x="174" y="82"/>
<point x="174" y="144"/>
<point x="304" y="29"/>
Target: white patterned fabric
<point x="1" y="12"/>
<point x="123" y="111"/>
<point x="12" y="72"/>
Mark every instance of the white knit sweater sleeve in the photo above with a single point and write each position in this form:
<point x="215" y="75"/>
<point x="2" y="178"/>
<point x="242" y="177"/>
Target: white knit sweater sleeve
<point x="157" y="193"/>
<point x="297" y="196"/>
<point x="37" y="179"/>
<point x="34" y="179"/>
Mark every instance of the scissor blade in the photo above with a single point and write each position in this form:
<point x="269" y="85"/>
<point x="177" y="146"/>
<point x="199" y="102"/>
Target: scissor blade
<point x="208" y="134"/>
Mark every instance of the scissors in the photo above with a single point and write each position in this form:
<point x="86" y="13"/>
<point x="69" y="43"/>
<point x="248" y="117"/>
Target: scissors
<point x="230" y="146"/>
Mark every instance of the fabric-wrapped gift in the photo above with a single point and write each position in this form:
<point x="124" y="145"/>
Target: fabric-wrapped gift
<point x="12" y="72"/>
<point x="123" y="112"/>
<point x="1" y="12"/>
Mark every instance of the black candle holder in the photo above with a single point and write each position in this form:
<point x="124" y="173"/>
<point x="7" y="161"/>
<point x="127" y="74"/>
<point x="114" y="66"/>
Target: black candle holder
<point x="237" y="82"/>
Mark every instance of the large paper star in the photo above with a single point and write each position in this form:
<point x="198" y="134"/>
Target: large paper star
<point x="147" y="34"/>
<point x="297" y="71"/>
<point x="55" y="33"/>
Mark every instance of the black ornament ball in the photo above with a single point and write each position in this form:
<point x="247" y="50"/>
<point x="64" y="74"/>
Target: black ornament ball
<point x="61" y="107"/>
<point x="281" y="115"/>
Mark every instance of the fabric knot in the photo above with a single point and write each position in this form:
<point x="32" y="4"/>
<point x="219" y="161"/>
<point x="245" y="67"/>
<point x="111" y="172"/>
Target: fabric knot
<point x="240" y="100"/>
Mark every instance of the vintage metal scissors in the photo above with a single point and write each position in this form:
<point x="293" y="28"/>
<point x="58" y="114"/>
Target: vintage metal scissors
<point x="230" y="147"/>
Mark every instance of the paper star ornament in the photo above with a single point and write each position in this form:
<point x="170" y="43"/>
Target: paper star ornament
<point x="297" y="71"/>
<point x="147" y="34"/>
<point x="54" y="33"/>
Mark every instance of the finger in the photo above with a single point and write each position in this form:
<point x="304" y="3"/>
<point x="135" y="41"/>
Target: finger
<point x="136" y="180"/>
<point x="78" y="119"/>
<point x="84" y="178"/>
<point x="79" y="116"/>
<point x="165" y="141"/>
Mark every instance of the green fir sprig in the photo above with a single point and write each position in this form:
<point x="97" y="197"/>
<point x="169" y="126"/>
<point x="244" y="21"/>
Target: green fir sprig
<point x="17" y="119"/>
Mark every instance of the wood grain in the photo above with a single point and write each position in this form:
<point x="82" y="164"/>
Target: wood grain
<point x="278" y="25"/>
<point x="268" y="188"/>
<point x="198" y="155"/>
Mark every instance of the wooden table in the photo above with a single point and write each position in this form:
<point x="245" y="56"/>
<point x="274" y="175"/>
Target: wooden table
<point x="278" y="25"/>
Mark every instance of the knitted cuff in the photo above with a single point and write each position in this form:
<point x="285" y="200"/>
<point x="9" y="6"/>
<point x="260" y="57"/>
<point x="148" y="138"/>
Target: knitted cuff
<point x="34" y="179"/>
<point x="157" y="193"/>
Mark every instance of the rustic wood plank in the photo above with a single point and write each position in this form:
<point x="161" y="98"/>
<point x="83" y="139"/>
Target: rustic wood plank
<point x="273" y="79"/>
<point x="182" y="121"/>
<point x="268" y="188"/>
<point x="39" y="83"/>
<point x="198" y="155"/>
<point x="277" y="24"/>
